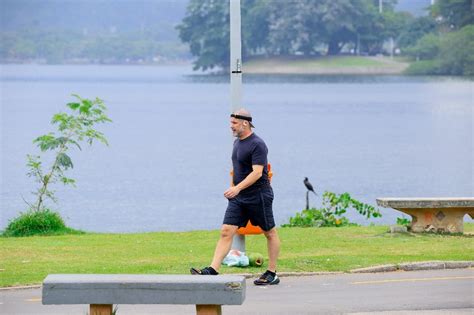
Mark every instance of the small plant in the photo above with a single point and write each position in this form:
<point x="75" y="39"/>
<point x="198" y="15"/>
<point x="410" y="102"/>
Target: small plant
<point x="38" y="223"/>
<point x="404" y="221"/>
<point x="72" y="129"/>
<point x="331" y="214"/>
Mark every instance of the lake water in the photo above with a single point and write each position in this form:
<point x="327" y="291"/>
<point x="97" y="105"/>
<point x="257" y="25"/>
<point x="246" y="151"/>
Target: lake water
<point x="168" y="162"/>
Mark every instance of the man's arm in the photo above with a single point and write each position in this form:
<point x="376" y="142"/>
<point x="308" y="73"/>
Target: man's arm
<point x="257" y="171"/>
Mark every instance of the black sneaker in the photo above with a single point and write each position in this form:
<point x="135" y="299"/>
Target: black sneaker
<point x="208" y="271"/>
<point x="267" y="278"/>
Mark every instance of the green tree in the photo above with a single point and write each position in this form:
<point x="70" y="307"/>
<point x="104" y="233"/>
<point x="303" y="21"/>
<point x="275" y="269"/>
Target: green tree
<point x="426" y="48"/>
<point x="415" y="29"/>
<point x="449" y="53"/>
<point x="280" y="27"/>
<point x="255" y="26"/>
<point x="454" y="14"/>
<point x="206" y="29"/>
<point x="23" y="49"/>
<point x="340" y="20"/>
<point x="73" y="129"/>
<point x="370" y="29"/>
<point x="307" y="25"/>
<point x="286" y="22"/>
<point x="456" y="54"/>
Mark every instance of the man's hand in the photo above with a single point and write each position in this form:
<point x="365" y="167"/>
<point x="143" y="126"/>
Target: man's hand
<point x="231" y="192"/>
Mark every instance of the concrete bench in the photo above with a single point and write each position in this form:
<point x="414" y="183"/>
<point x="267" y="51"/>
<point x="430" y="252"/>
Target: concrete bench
<point x="433" y="214"/>
<point x="208" y="293"/>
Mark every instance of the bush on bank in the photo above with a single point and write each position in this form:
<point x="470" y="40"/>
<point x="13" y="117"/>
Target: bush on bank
<point x="43" y="222"/>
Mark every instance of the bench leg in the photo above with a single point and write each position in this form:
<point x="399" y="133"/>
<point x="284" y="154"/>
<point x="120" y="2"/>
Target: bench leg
<point x="208" y="309"/>
<point x="100" y="309"/>
<point x="436" y="220"/>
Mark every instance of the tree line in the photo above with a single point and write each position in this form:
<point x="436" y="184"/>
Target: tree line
<point x="59" y="46"/>
<point x="100" y="31"/>
<point x="449" y="48"/>
<point x="313" y="28"/>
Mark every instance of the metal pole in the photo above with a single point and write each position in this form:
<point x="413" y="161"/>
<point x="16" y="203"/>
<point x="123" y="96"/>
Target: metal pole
<point x="235" y="56"/>
<point x="307" y="199"/>
<point x="238" y="241"/>
<point x="358" y="44"/>
<point x="392" y="44"/>
<point x="380" y="6"/>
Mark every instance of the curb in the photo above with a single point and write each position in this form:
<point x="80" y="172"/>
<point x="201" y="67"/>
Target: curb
<point x="291" y="274"/>
<point x="422" y="265"/>
<point x="415" y="266"/>
<point x="381" y="268"/>
<point x="23" y="287"/>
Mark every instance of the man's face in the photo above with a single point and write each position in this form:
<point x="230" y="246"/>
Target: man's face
<point x="237" y="127"/>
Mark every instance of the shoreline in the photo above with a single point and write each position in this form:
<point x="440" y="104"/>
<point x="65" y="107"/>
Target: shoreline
<point x="338" y="65"/>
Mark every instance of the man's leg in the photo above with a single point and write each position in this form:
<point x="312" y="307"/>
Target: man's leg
<point x="273" y="244"/>
<point x="223" y="245"/>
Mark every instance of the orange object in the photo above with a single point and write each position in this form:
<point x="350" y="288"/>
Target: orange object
<point x="251" y="229"/>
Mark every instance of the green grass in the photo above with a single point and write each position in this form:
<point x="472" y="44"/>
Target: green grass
<point x="28" y="260"/>
<point x="326" y="61"/>
<point x="325" y="65"/>
<point x="424" y="67"/>
<point x="343" y="61"/>
<point x="43" y="222"/>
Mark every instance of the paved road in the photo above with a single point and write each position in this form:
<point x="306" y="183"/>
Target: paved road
<point x="422" y="292"/>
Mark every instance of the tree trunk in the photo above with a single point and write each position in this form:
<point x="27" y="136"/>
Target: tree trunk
<point x="334" y="48"/>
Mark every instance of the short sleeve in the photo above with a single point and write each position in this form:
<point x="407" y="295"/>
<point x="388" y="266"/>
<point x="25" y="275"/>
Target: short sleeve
<point x="259" y="154"/>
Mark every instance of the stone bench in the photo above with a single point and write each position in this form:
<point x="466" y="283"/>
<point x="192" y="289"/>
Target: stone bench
<point x="208" y="293"/>
<point x="433" y="214"/>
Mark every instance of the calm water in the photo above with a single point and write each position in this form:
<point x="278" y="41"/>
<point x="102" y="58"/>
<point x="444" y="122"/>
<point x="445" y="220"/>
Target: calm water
<point x="168" y="162"/>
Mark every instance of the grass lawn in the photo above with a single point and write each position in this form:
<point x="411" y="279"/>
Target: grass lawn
<point x="343" y="61"/>
<point x="28" y="260"/>
<point x="326" y="65"/>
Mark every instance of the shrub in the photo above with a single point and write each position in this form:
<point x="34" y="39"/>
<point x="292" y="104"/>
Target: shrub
<point x="43" y="222"/>
<point x="426" y="48"/>
<point x="317" y="218"/>
<point x="404" y="221"/>
<point x="456" y="55"/>
<point x="424" y="67"/>
<point x="449" y="54"/>
<point x="331" y="214"/>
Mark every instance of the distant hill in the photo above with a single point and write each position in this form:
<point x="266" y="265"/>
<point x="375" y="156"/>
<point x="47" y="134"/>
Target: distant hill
<point x="119" y="15"/>
<point x="93" y="15"/>
<point x="91" y="31"/>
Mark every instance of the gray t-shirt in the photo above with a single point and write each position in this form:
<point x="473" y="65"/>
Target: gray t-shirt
<point x="247" y="152"/>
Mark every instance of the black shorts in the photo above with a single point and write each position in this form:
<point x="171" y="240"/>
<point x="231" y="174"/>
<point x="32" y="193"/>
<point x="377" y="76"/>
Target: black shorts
<point x="255" y="206"/>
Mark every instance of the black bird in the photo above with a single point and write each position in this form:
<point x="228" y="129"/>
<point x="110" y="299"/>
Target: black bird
<point x="308" y="185"/>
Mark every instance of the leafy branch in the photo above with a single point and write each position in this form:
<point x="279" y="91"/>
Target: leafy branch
<point x="73" y="128"/>
<point x="331" y="214"/>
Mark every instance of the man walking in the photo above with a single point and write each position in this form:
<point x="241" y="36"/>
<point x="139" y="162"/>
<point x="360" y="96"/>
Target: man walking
<point x="250" y="198"/>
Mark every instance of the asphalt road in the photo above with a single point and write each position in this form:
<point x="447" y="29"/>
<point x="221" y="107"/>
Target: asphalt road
<point x="421" y="292"/>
